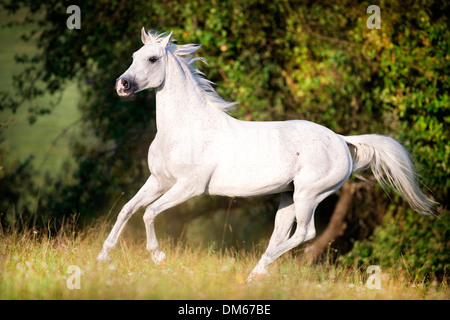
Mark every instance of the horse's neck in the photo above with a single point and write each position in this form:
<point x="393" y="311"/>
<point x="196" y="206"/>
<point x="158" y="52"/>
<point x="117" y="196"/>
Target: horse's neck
<point x="178" y="101"/>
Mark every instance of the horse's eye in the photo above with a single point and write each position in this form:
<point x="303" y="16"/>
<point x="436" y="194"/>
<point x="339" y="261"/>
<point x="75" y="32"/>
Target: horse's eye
<point x="153" y="59"/>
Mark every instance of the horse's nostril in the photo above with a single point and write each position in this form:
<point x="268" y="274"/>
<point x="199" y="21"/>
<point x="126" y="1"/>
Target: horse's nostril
<point x="126" y="84"/>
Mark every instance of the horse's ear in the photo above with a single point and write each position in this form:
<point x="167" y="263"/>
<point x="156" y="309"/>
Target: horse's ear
<point x="144" y="36"/>
<point x="166" y="40"/>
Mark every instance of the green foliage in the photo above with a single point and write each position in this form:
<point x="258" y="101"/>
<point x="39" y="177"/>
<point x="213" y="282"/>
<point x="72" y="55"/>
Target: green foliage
<point x="413" y="65"/>
<point x="406" y="241"/>
<point x="16" y="187"/>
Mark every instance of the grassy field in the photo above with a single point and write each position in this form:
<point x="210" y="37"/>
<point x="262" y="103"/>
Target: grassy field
<point x="36" y="266"/>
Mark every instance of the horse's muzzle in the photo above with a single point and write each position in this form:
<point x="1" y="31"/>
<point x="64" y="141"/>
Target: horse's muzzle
<point x="125" y="87"/>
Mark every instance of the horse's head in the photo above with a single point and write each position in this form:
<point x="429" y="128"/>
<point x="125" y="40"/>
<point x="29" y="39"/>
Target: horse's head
<point x="148" y="67"/>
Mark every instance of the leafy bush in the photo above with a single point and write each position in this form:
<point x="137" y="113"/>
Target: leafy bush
<point x="407" y="241"/>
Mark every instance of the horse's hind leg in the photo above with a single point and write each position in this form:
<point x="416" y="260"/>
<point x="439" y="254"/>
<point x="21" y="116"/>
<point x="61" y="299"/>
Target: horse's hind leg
<point x="284" y="220"/>
<point x="304" y="212"/>
<point x="307" y="195"/>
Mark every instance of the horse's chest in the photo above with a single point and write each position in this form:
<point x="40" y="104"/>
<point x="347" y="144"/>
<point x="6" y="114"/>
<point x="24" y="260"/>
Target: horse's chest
<point x="171" y="158"/>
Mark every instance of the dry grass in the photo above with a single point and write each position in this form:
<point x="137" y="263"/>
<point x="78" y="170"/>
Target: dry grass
<point x="34" y="265"/>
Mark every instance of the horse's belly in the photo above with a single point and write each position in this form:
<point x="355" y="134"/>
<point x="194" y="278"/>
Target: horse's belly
<point x="249" y="181"/>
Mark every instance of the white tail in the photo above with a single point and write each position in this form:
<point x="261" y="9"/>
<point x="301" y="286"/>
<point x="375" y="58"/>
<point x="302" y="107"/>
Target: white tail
<point x="391" y="165"/>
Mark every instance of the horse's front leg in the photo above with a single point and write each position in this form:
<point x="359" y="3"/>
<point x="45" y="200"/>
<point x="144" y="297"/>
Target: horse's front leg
<point x="180" y="192"/>
<point x="150" y="191"/>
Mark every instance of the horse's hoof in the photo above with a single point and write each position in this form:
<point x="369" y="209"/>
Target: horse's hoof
<point x="159" y="258"/>
<point x="256" y="277"/>
<point x="103" y="257"/>
<point x="162" y="263"/>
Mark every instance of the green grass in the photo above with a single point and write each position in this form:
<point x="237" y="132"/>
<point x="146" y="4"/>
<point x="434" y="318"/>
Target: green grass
<point x="34" y="265"/>
<point x="43" y="140"/>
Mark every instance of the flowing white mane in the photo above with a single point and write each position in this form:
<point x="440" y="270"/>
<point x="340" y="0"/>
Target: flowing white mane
<point x="184" y="54"/>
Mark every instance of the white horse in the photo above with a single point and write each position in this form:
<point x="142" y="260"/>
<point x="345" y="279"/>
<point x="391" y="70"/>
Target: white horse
<point x="199" y="148"/>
